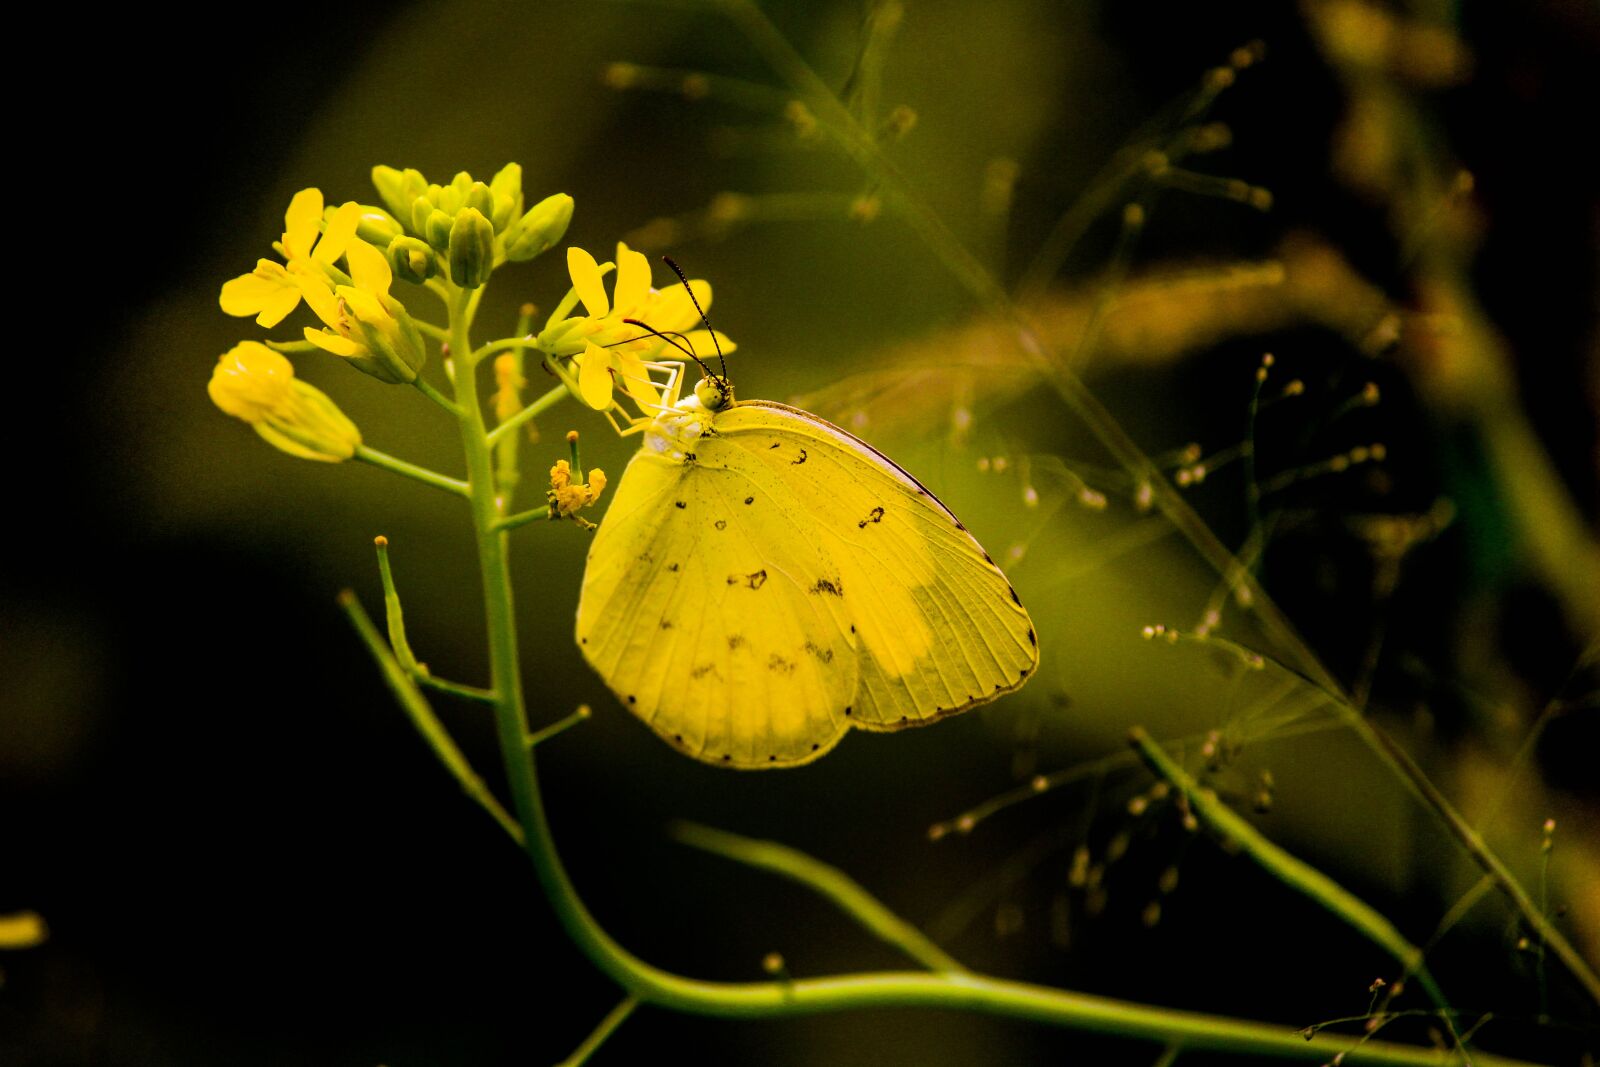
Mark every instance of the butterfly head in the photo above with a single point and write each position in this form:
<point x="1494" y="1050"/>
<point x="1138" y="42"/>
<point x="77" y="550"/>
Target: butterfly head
<point x="714" y="392"/>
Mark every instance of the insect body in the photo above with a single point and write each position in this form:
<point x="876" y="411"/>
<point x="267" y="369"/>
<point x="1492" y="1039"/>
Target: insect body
<point x="763" y="581"/>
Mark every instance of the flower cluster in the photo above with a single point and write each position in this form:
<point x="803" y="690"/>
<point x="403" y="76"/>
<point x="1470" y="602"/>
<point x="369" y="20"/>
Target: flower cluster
<point x="342" y="262"/>
<point x="605" y="344"/>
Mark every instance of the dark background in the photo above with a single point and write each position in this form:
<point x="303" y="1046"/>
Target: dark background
<point x="244" y="854"/>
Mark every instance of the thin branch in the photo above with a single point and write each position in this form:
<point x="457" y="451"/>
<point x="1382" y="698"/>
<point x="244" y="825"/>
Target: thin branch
<point x="422" y="717"/>
<point x="1291" y="871"/>
<point x="608" y="1026"/>
<point x="827" y="881"/>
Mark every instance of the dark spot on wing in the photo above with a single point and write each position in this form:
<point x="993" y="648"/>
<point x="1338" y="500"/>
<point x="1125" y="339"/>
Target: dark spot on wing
<point x="672" y="566"/>
<point x="726" y="757"/>
<point x="645" y="557"/>
<point x="875" y="515"/>
<point x="721" y="524"/>
<point x="778" y="663"/>
<point x="847" y="711"/>
<point x="678" y="738"/>
<point x="704" y="669"/>
<point x="852" y="627"/>
<point x="754" y="581"/>
<point x="959" y="526"/>
<point x="832" y="588"/>
<point x="1023" y="675"/>
<point x="772" y="446"/>
<point x="905" y="718"/>
<point x="772" y="759"/>
<point x="631" y="700"/>
<point x="666" y="624"/>
<point x="988" y="559"/>
<point x="1032" y="640"/>
<point x="823" y="654"/>
<point x="735" y="641"/>
<point x="749" y="500"/>
<point x="802" y="459"/>
<point x="688" y="457"/>
<point x="1015" y="599"/>
<point x="815" y="746"/>
<point x="583" y="640"/>
<point x="683" y="503"/>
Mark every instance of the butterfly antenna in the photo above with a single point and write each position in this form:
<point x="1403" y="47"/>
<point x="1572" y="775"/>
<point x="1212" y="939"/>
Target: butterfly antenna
<point x="668" y="336"/>
<point x="704" y="318"/>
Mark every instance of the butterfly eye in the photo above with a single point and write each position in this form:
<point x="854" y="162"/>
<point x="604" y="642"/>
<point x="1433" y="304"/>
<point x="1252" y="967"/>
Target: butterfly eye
<point x="714" y="393"/>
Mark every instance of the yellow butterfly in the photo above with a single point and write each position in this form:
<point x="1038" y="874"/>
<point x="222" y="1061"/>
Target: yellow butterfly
<point x="763" y="581"/>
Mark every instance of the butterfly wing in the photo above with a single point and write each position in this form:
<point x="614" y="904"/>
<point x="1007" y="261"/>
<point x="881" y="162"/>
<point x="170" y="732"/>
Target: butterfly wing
<point x="938" y="627"/>
<point x="700" y="610"/>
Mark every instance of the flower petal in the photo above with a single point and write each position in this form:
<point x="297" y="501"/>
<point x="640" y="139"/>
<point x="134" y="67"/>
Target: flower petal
<point x="699" y="341"/>
<point x="332" y="342"/>
<point x="594" y="378"/>
<point x="586" y="280"/>
<point x="340" y="231"/>
<point x="248" y="293"/>
<point x="277" y="307"/>
<point x="301" y="223"/>
<point x="633" y="280"/>
<point x="321" y="300"/>
<point x="673" y="310"/>
<point x="636" y="380"/>
<point x="369" y="268"/>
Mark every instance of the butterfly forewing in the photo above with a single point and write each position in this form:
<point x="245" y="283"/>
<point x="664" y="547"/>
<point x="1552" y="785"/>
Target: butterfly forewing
<point x="699" y="608"/>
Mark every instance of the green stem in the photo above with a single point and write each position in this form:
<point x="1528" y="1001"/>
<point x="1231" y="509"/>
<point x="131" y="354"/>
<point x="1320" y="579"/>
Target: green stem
<point x="522" y="518"/>
<point x="410" y="470"/>
<point x="434" y="395"/>
<point x="456" y="689"/>
<point x="533" y="410"/>
<point x="830" y="882"/>
<point x="422" y="717"/>
<point x="436" y="332"/>
<point x="608" y="1026"/>
<point x="1291" y="871"/>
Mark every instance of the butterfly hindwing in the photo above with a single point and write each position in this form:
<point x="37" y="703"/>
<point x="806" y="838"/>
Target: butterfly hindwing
<point x="939" y="628"/>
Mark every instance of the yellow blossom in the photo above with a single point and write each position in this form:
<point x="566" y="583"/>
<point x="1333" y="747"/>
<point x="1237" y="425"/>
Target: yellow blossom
<point x="566" y="496"/>
<point x="604" y="344"/>
<point x="364" y="324"/>
<point x="256" y="384"/>
<point x="271" y="292"/>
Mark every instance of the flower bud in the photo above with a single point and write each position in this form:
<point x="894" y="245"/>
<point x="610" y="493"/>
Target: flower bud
<point x="412" y="260"/>
<point x="436" y="229"/>
<point x="471" y="248"/>
<point x="421" y="208"/>
<point x="398" y="189"/>
<point x="453" y="197"/>
<point x="507" y="189"/>
<point x="539" y="230"/>
<point x="256" y="384"/>
<point x="377" y="227"/>
<point x="481" y="199"/>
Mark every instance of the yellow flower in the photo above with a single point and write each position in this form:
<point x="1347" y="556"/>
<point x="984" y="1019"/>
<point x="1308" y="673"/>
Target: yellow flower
<point x="603" y="344"/>
<point x="566" y="497"/>
<point x="271" y="292"/>
<point x="256" y="384"/>
<point x="364" y="324"/>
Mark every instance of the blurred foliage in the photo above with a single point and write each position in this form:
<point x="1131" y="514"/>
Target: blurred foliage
<point x="241" y="851"/>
